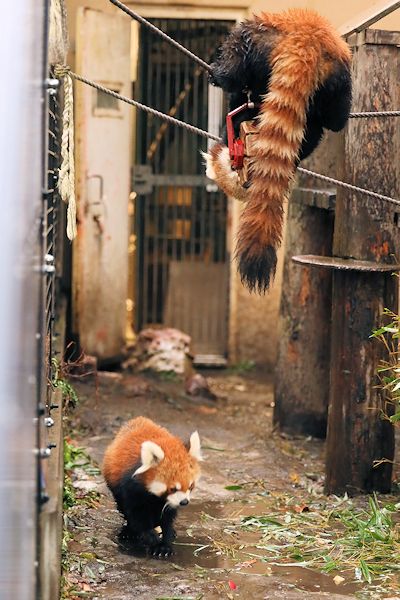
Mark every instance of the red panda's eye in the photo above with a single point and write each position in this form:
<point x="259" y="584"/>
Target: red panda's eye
<point x="173" y="490"/>
<point x="191" y="488"/>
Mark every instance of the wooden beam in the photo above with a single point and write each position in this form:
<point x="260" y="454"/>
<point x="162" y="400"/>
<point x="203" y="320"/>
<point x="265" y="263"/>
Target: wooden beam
<point x="236" y="10"/>
<point x="368" y="17"/>
<point x="365" y="230"/>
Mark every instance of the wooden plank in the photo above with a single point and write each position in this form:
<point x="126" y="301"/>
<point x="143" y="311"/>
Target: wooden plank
<point x="375" y="37"/>
<point x="224" y="4"/>
<point x="230" y="11"/>
<point x="381" y="36"/>
<point x="302" y="380"/>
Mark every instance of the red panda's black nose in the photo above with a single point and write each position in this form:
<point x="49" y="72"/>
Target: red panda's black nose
<point x="184" y="502"/>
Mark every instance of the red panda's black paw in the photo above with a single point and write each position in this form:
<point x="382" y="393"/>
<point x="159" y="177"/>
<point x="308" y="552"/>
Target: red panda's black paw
<point x="161" y="551"/>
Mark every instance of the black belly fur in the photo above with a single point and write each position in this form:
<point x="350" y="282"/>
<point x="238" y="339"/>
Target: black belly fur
<point x="143" y="512"/>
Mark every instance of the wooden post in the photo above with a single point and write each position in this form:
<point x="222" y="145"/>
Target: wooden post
<point x="366" y="229"/>
<point x="302" y="373"/>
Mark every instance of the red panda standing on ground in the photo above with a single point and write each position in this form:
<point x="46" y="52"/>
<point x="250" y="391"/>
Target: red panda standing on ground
<point x="151" y="473"/>
<point x="296" y="69"/>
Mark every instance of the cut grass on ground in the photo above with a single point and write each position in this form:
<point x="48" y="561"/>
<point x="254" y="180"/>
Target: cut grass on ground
<point x="361" y="544"/>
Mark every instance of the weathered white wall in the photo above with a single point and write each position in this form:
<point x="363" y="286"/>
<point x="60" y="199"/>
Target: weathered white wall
<point x="103" y="151"/>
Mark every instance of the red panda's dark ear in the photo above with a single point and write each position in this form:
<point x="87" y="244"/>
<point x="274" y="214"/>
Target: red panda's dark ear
<point x="150" y="454"/>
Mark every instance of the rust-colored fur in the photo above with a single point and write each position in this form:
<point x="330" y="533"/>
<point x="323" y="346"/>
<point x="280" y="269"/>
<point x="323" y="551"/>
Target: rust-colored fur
<point x="124" y="452"/>
<point x="305" y="52"/>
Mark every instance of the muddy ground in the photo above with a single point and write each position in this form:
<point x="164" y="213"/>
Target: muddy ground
<point x="212" y="554"/>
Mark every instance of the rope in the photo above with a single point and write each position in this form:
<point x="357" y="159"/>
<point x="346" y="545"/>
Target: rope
<point x="368" y="115"/>
<point x="143" y="107"/>
<point x="348" y="186"/>
<point x="66" y="178"/>
<point x="163" y="35"/>
<point x="65" y="70"/>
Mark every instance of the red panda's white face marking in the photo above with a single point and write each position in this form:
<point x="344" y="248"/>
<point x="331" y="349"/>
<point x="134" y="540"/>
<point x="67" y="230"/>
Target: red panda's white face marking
<point x="177" y="497"/>
<point x="170" y="472"/>
<point x="158" y="488"/>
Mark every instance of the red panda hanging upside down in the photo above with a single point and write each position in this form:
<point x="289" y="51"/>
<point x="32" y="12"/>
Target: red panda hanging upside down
<point x="151" y="473"/>
<point x="295" y="68"/>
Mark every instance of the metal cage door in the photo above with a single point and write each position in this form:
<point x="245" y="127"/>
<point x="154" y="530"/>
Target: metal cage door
<point x="180" y="221"/>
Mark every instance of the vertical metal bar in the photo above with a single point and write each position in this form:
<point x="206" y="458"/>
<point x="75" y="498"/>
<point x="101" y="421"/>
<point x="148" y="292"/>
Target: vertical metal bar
<point x="187" y="149"/>
<point x="150" y="198"/>
<point x="196" y="192"/>
<point x="204" y="196"/>
<point x="178" y="137"/>
<point x="168" y="139"/>
<point x="160" y="98"/>
<point x="138" y="217"/>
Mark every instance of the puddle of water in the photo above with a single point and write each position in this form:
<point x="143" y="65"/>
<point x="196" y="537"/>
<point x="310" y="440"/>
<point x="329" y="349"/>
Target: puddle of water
<point x="197" y="551"/>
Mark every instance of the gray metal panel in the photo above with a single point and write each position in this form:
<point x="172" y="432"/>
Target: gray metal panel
<point x="21" y="65"/>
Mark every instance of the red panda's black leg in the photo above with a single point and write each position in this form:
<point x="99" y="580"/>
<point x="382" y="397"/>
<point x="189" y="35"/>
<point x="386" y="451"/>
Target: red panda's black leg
<point x="164" y="548"/>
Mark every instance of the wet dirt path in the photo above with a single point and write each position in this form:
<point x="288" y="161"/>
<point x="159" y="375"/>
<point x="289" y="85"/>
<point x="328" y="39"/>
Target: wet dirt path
<point x="212" y="554"/>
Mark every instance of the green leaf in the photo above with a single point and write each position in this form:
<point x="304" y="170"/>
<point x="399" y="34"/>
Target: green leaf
<point x="233" y="488"/>
<point x="365" y="571"/>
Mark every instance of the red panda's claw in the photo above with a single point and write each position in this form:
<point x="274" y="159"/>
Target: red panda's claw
<point x="161" y="551"/>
